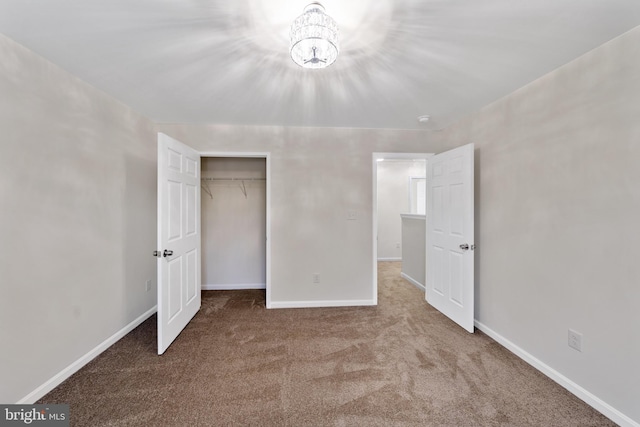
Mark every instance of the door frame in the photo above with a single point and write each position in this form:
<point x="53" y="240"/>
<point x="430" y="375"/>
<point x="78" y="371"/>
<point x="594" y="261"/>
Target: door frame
<point x="374" y="215"/>
<point x="267" y="157"/>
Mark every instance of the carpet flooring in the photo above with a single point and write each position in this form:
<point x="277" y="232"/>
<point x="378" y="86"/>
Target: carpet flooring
<point x="401" y="363"/>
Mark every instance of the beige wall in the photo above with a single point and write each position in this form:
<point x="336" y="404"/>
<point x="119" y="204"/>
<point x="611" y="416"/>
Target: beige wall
<point x="317" y="176"/>
<point x="558" y="218"/>
<point x="77" y="219"/>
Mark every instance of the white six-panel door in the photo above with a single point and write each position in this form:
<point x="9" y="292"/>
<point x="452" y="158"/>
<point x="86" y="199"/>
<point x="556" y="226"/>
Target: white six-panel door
<point x="178" y="238"/>
<point x="450" y="235"/>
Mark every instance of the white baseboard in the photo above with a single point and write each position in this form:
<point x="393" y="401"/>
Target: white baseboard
<point x="57" y="379"/>
<point x="389" y="259"/>
<point x="233" y="286"/>
<point x="598" y="404"/>
<point x="413" y="281"/>
<point x="308" y="304"/>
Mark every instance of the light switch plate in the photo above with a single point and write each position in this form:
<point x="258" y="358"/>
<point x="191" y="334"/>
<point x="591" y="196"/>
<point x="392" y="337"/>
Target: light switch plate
<point x="575" y="340"/>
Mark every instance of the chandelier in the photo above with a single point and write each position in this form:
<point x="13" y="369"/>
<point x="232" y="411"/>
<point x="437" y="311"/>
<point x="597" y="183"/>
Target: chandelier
<point x="314" y="38"/>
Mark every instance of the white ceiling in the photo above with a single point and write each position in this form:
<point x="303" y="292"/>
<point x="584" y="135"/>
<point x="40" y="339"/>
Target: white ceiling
<point x="227" y="61"/>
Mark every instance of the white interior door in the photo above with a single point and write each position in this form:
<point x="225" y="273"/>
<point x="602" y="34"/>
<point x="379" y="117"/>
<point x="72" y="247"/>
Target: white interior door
<point x="178" y="238"/>
<point x="450" y="242"/>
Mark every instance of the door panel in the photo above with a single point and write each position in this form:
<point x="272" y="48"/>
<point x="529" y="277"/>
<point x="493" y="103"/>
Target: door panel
<point x="174" y="196"/>
<point x="193" y="286"/>
<point x="456" y="282"/>
<point x="450" y="216"/>
<point x="174" y="301"/>
<point x="191" y="210"/>
<point x="437" y="257"/>
<point x="178" y="238"/>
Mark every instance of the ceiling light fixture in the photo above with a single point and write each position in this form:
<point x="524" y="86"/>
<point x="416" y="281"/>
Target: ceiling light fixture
<point x="314" y="38"/>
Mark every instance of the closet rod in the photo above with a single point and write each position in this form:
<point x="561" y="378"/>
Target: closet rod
<point x="234" y="179"/>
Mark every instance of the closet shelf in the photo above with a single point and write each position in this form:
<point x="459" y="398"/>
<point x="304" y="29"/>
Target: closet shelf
<point x="233" y="179"/>
<point x="242" y="186"/>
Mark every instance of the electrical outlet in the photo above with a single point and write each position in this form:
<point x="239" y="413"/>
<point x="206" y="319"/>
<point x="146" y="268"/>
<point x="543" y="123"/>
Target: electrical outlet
<point x="315" y="277"/>
<point x="352" y="215"/>
<point x="147" y="285"/>
<point x="575" y="340"/>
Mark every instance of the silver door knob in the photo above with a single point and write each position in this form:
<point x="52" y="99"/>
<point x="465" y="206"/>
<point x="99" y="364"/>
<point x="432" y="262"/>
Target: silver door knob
<point x="167" y="252"/>
<point x="464" y="247"/>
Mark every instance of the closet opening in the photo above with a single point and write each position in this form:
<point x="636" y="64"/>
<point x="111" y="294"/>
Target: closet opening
<point x="234" y="223"/>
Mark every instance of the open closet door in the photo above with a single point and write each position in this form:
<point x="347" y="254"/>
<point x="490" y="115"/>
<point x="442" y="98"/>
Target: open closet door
<point x="178" y="238"/>
<point x="449" y="276"/>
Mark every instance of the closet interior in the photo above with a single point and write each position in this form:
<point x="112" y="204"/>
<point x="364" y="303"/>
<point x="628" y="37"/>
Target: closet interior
<point x="233" y="203"/>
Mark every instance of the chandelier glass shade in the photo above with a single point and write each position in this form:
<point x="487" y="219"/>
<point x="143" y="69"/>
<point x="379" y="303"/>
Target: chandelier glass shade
<point x="314" y="38"/>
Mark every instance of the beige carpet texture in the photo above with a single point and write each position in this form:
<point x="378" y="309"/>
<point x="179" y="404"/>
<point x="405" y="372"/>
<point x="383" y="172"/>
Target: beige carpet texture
<point x="401" y="363"/>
